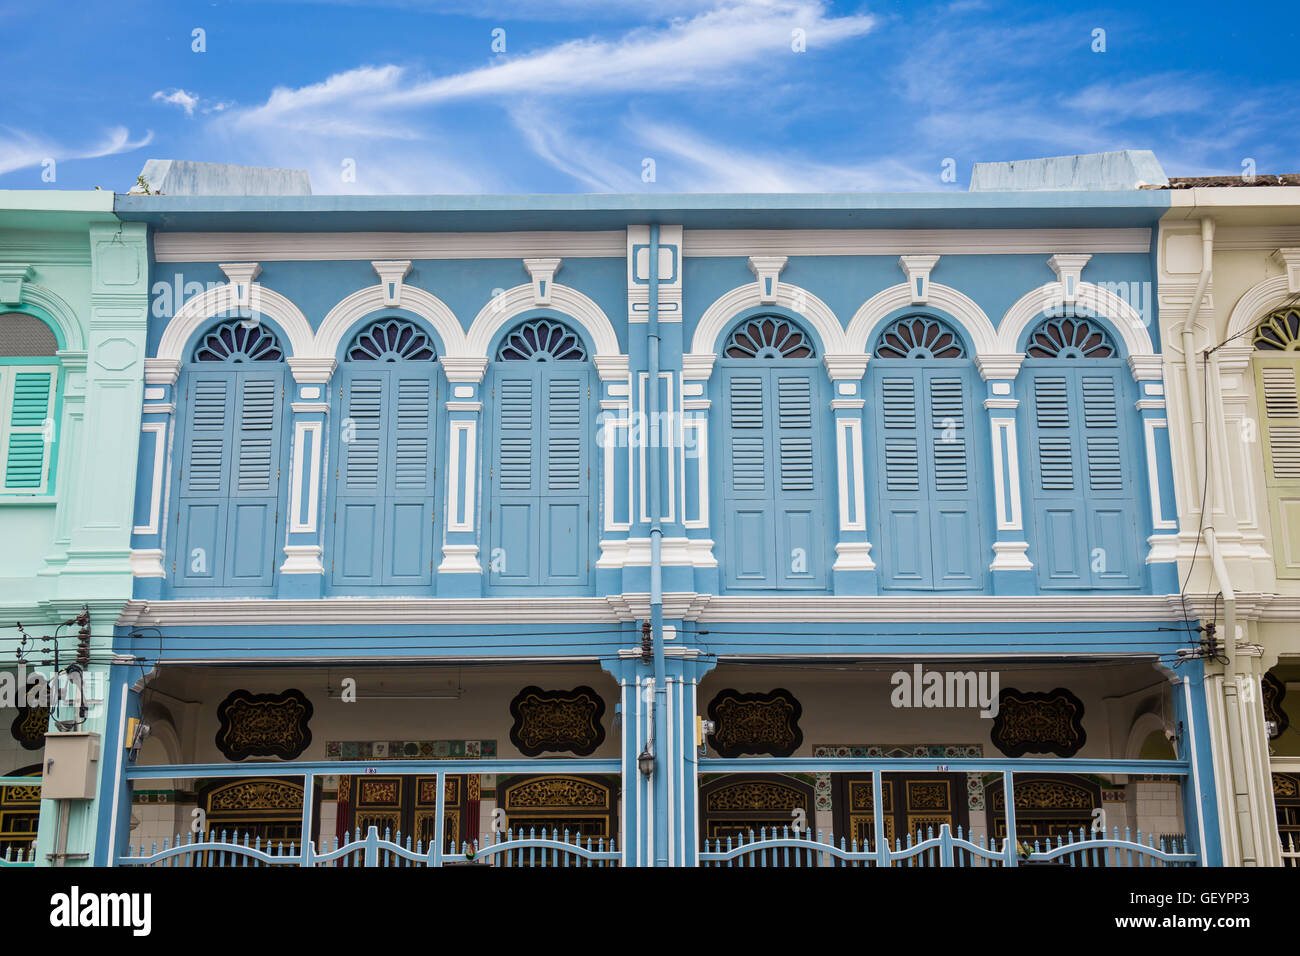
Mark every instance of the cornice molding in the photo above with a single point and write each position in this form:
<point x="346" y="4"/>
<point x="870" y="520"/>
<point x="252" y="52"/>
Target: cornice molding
<point x="371" y="246"/>
<point x="894" y="242"/>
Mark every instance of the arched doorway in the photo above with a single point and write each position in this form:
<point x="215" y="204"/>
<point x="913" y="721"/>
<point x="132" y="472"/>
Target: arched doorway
<point x="737" y="805"/>
<point x="584" y="806"/>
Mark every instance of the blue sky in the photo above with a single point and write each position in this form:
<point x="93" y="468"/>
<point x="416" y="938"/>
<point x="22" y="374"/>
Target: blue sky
<point x="412" y="97"/>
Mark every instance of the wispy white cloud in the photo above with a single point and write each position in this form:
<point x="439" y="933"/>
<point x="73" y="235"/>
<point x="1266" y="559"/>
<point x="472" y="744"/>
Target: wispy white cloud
<point x="19" y="150"/>
<point x="1165" y="94"/>
<point x="178" y="97"/>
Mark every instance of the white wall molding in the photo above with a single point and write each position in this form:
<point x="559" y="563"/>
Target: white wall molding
<point x="56" y="307"/>
<point x="391" y="274"/>
<point x="1011" y="556"/>
<point x="158" y="430"/>
<point x="302" y="559"/>
<point x="918" y="269"/>
<point x="886" y="242"/>
<point x="147" y="563"/>
<point x="459" y="559"/>
<point x="864" y="325"/>
<point x="635" y="552"/>
<point x="347" y="246"/>
<point x="542" y="271"/>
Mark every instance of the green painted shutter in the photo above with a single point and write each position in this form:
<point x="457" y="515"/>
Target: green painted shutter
<point x="31" y="404"/>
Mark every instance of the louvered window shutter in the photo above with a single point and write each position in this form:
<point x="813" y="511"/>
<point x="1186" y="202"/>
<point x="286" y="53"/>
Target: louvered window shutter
<point x="364" y="473"/>
<point x="408" y="508"/>
<point x="207" y="438"/>
<point x="249" y="553"/>
<point x="1061" y="535"/>
<point x="565" y="473"/>
<point x="957" y="556"/>
<point x="362" y="435"/>
<point x="29" y="394"/>
<point x="206" y="462"/>
<point x="748" y="424"/>
<point x="516" y="475"/>
<point x="905" y="512"/>
<point x="563" y="508"/>
<point x="1279" y="400"/>
<point x="749" y="519"/>
<point x="798" y="511"/>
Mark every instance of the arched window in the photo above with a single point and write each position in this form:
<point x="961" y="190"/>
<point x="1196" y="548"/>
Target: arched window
<point x="1080" y="456"/>
<point x="228" y="459"/>
<point x="539" y="520"/>
<point x="29" y="377"/>
<point x="773" y="502"/>
<point x="922" y="385"/>
<point x="385" y="431"/>
<point x="1277" y="349"/>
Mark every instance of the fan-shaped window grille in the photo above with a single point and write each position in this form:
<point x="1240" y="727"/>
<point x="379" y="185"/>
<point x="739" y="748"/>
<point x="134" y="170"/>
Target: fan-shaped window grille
<point x="1280" y="332"/>
<point x="1069" y="338"/>
<point x="769" y="337"/>
<point x="25" y="336"/>
<point x="391" y="340"/>
<point x="919" y="337"/>
<point x="542" y="340"/>
<point x="236" y="342"/>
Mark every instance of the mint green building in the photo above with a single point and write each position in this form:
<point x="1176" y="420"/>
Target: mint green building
<point x="73" y="305"/>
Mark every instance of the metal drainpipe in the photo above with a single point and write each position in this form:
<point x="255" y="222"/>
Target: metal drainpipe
<point x="656" y="556"/>
<point x="1201" y="445"/>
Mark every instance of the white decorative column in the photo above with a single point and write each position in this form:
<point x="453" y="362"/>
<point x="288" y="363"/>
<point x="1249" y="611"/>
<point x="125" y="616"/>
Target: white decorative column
<point x="303" y="572"/>
<point x="460" y="573"/>
<point x="853" y="570"/>
<point x="1011" y="566"/>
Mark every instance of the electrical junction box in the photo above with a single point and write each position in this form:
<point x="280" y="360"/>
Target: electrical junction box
<point x="71" y="768"/>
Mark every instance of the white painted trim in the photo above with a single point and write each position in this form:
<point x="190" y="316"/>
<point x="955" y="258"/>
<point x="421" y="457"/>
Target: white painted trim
<point x="346" y="314"/>
<point x="853" y="556"/>
<point x="667" y="447"/>
<point x="302" y="559"/>
<point x="147" y="563"/>
<point x="611" y="428"/>
<point x="1003" y="432"/>
<point x="459" y="477"/>
<point x="635" y="552"/>
<point x="700" y="425"/>
<point x="718" y="316"/>
<point x="459" y="559"/>
<point x="1011" y="556"/>
<point x="848" y="460"/>
<point x="158" y="429"/>
<point x="298" y="522"/>
<point x="1255" y="303"/>
<point x="1158" y="521"/>
<point x="785" y="608"/>
<point x="1163" y="548"/>
<point x="1126" y="320"/>
<point x="347" y="246"/>
<point x="501" y="309"/>
<point x="199" y="309"/>
<point x="963" y="310"/>
<point x="883" y="242"/>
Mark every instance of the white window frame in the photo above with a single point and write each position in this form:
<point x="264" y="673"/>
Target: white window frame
<point x="8" y="376"/>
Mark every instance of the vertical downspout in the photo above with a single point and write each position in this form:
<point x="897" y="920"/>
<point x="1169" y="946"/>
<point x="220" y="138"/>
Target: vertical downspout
<point x="1225" y="685"/>
<point x="656" y="557"/>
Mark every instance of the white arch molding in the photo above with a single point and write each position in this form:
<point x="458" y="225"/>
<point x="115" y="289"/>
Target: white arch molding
<point x="59" y="311"/>
<point x="1255" y="303"/>
<point x="718" y="316"/>
<point x="364" y="302"/>
<point x="507" y="306"/>
<point x="943" y="298"/>
<point x="1127" y="321"/>
<point x="198" y="310"/>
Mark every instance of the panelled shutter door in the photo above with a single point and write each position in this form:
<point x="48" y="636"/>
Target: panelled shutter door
<point x="409" y="499"/>
<point x="206" y="458"/>
<point x="563" y="504"/>
<point x="516" y="475"/>
<point x="905" y="515"/>
<point x="27" y="455"/>
<point x="748" y="518"/>
<point x="363" y="465"/>
<point x="1111" y="519"/>
<point x="955" y="539"/>
<point x="254" y="500"/>
<point x="1059" y="484"/>
<point x="800" y="531"/>
<point x="1279" y="400"/>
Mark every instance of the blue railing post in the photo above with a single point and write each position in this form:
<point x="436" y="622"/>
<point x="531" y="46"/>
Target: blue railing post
<point x="372" y="847"/>
<point x="1009" y="800"/>
<point x="308" y="789"/>
<point x="945" y="845"/>
<point x="878" y="820"/>
<point x="438" y="835"/>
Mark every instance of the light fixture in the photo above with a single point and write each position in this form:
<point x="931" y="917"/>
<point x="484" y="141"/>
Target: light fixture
<point x="646" y="763"/>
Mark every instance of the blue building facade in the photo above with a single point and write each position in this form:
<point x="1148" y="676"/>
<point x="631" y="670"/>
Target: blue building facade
<point x="641" y="516"/>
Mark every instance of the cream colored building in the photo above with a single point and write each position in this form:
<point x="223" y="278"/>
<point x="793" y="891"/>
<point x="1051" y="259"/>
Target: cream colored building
<point x="1229" y="296"/>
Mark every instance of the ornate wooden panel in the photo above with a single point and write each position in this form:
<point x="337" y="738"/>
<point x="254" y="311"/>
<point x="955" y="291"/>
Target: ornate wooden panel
<point x="20" y="810"/>
<point x="264" y="725"/>
<point x="737" y="805"/>
<point x="557" y="720"/>
<point x="408" y="804"/>
<point x="1046" y="805"/>
<point x="269" y="808"/>
<point x="581" y="805"/>
<point x="755" y="723"/>
<point x="29" y="726"/>
<point x="1029" y="722"/>
<point x="1286" y="799"/>
<point x="908" y="803"/>
<point x="1273" y="692"/>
